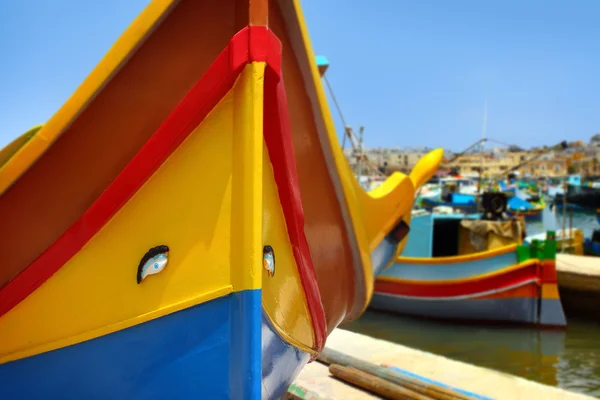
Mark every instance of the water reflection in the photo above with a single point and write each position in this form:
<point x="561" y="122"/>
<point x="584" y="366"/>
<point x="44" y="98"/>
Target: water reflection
<point x="579" y="365"/>
<point x="569" y="359"/>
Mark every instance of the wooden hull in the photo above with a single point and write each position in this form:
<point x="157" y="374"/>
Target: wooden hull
<point x="529" y="215"/>
<point x="193" y="153"/>
<point x="506" y="285"/>
<point x="532" y="214"/>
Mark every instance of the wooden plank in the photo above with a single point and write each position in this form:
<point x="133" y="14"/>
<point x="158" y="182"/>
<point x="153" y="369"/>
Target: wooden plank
<point x="374" y="384"/>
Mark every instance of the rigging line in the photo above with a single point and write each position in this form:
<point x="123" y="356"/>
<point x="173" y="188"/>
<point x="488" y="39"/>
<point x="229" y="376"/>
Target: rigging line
<point x="500" y="143"/>
<point x="462" y="153"/>
<point x="339" y="110"/>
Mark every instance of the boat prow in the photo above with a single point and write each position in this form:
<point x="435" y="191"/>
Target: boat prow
<point x="188" y="221"/>
<point x="395" y="196"/>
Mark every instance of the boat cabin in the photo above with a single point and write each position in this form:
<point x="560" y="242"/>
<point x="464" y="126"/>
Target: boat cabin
<point x="447" y="235"/>
<point x="452" y="186"/>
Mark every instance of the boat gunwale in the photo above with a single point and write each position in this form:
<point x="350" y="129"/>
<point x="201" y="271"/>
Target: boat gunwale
<point x="457" y="259"/>
<point x="108" y="67"/>
<point x="503" y="271"/>
<point x="251" y="44"/>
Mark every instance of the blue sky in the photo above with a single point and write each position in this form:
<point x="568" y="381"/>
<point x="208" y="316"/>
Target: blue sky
<point x="412" y="72"/>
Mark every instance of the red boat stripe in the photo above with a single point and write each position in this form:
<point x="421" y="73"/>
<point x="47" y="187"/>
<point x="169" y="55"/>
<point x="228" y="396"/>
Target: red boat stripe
<point x="253" y="43"/>
<point x="407" y="288"/>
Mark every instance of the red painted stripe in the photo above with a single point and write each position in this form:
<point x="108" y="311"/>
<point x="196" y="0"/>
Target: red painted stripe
<point x="281" y="152"/>
<point x="250" y="44"/>
<point x="548" y="271"/>
<point x="525" y="213"/>
<point x="405" y="288"/>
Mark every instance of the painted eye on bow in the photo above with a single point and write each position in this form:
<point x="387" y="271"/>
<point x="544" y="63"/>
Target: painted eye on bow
<point x="269" y="260"/>
<point x="153" y="262"/>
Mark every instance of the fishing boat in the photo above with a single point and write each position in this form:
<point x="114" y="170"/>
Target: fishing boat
<point x="463" y="268"/>
<point x="569" y="240"/>
<point x="458" y="193"/>
<point x="579" y="196"/>
<point x="186" y="224"/>
<point x="430" y="191"/>
<point x="530" y="208"/>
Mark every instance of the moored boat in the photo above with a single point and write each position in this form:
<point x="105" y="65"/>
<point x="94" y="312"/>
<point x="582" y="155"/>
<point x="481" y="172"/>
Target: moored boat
<point x="530" y="209"/>
<point x="458" y="193"/>
<point x="468" y="269"/>
<point x="570" y="240"/>
<point x="186" y="224"/>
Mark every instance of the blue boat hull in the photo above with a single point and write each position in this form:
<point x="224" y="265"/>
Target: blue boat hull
<point x="515" y="310"/>
<point x="211" y="351"/>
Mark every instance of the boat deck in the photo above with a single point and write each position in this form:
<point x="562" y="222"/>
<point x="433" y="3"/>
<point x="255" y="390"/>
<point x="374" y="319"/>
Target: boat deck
<point x="580" y="273"/>
<point x="315" y="382"/>
<point x="579" y="284"/>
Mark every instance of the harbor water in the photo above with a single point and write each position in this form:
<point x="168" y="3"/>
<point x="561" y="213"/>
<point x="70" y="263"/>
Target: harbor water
<point x="570" y="360"/>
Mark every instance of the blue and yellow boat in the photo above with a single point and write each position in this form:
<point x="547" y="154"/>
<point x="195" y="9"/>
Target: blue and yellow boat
<point x="465" y="269"/>
<point x="530" y="209"/>
<point x="186" y="225"/>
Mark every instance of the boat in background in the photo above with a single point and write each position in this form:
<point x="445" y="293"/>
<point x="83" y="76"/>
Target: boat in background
<point x="580" y="196"/>
<point x="430" y="191"/>
<point x="124" y="277"/>
<point x="569" y="241"/>
<point x="467" y="269"/>
<point x="530" y="207"/>
<point x="458" y="193"/>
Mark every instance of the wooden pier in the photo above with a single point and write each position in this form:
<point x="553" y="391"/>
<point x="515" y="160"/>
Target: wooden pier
<point x="435" y="372"/>
<point x="579" y="284"/>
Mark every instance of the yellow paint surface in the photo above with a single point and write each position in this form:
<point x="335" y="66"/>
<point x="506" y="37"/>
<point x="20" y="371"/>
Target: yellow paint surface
<point x="247" y="175"/>
<point x="188" y="204"/>
<point x="283" y="296"/>
<point x="550" y="291"/>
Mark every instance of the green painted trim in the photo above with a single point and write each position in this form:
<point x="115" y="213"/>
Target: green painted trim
<point x="535" y="250"/>
<point x="550" y="250"/>
<point x="523" y="253"/>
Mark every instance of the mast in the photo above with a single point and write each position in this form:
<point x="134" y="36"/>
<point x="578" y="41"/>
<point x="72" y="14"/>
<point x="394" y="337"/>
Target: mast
<point x="564" y="210"/>
<point x="482" y="147"/>
<point x="360" y="152"/>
